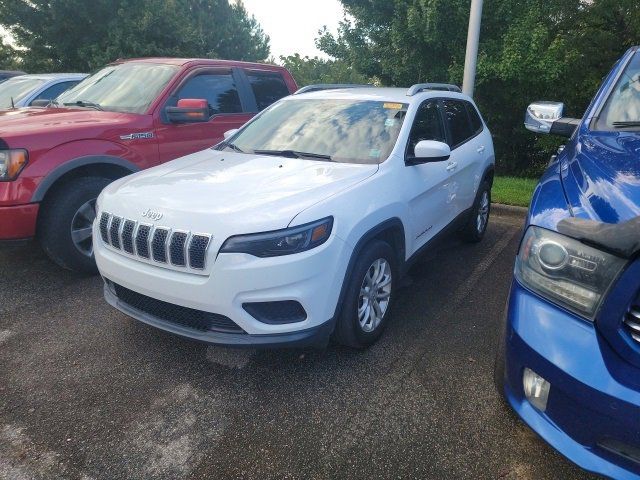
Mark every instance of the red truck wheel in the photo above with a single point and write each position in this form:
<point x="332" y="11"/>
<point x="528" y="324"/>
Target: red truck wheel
<point x="64" y="229"/>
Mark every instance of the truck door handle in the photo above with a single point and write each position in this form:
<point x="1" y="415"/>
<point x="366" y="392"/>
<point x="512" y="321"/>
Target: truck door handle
<point x="452" y="166"/>
<point x="481" y="149"/>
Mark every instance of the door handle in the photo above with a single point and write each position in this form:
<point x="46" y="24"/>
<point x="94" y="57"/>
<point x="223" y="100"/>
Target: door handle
<point x="481" y="149"/>
<point x="452" y="166"/>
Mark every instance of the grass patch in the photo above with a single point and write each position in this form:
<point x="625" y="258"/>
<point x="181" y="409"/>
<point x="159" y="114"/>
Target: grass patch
<point x="513" y="190"/>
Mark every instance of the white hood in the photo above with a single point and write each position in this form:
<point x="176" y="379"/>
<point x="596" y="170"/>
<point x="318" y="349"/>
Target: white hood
<point x="226" y="193"/>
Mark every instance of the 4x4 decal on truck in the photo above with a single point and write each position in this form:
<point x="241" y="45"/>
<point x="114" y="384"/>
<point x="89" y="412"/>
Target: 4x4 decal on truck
<point x="135" y="136"/>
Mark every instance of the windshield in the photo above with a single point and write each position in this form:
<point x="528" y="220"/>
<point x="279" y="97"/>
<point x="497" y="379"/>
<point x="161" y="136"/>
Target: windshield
<point x="17" y="88"/>
<point x="622" y="110"/>
<point x="347" y="131"/>
<point x="127" y="87"/>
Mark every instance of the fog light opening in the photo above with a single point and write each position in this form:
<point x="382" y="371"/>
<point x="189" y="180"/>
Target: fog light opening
<point x="536" y="389"/>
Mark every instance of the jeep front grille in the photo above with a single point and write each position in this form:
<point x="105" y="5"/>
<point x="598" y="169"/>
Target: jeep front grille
<point x="632" y="322"/>
<point x="157" y="244"/>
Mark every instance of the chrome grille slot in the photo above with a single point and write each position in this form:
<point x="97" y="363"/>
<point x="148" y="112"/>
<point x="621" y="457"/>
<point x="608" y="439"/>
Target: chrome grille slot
<point x="197" y="250"/>
<point x="177" y="250"/>
<point x="127" y="236"/>
<point x="159" y="244"/>
<point x="104" y="227"/>
<point x="142" y="240"/>
<point x="632" y="322"/>
<point x="114" y="232"/>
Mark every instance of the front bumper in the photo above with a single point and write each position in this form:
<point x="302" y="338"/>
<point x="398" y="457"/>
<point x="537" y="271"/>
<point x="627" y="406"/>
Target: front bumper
<point x="312" y="278"/>
<point x="591" y="418"/>
<point x="18" y="222"/>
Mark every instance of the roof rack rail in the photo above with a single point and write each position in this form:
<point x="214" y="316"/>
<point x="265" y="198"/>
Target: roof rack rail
<point x="421" y="87"/>
<point x="330" y="86"/>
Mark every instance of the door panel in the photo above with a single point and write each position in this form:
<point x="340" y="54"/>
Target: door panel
<point x="223" y="93"/>
<point x="428" y="185"/>
<point x="467" y="150"/>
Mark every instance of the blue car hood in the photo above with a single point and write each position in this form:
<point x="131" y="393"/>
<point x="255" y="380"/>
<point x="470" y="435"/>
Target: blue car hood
<point x="601" y="176"/>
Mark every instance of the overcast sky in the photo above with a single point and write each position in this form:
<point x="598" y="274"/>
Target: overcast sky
<point x="293" y="25"/>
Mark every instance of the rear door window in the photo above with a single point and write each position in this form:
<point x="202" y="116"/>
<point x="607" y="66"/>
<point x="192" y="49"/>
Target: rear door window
<point x="268" y="87"/>
<point x="219" y="89"/>
<point x="458" y="122"/>
<point x="476" y="121"/>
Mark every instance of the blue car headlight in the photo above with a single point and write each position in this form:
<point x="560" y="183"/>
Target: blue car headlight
<point x="566" y="271"/>
<point x="281" y="242"/>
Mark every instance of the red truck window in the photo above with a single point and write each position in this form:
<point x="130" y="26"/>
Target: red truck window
<point x="268" y="87"/>
<point x="219" y="89"/>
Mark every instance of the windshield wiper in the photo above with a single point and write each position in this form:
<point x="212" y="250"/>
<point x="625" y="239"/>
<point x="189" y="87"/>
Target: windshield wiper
<point x="626" y="124"/>
<point x="232" y="147"/>
<point x="85" y="103"/>
<point x="294" y="154"/>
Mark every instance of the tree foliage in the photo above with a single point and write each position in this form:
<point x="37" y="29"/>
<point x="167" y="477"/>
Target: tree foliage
<point x="8" y="56"/>
<point x="529" y="50"/>
<point x="308" y="70"/>
<point x="76" y="35"/>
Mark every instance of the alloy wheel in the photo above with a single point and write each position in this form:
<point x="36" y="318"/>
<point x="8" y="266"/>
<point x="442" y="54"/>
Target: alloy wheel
<point x="81" y="227"/>
<point x="483" y="212"/>
<point x="375" y="293"/>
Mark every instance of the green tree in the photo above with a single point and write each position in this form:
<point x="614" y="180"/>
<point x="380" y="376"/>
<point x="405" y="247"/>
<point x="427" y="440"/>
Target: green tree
<point x="80" y="36"/>
<point x="538" y="49"/>
<point x="308" y="70"/>
<point x="8" y="57"/>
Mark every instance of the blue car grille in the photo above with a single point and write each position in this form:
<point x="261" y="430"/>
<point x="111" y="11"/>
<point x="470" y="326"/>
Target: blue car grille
<point x="159" y="244"/>
<point x="632" y="322"/>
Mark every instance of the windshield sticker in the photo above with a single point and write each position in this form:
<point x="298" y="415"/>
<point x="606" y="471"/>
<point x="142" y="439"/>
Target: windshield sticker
<point x="389" y="122"/>
<point x="392" y="106"/>
<point x="374" y="153"/>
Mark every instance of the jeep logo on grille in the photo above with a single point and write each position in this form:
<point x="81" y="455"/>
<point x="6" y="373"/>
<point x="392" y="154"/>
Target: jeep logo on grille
<point x="151" y="214"/>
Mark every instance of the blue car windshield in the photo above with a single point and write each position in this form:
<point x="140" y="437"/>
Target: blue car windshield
<point x="622" y="109"/>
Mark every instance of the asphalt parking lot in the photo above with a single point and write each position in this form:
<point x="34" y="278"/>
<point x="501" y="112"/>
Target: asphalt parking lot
<point x="87" y="393"/>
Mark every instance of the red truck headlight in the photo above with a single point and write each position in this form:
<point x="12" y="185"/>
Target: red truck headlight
<point x="12" y="162"/>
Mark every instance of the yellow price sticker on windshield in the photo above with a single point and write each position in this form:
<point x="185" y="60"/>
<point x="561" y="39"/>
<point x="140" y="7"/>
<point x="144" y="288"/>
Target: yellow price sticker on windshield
<point x="392" y="106"/>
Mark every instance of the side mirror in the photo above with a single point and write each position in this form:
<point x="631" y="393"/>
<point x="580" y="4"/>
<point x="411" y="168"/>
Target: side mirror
<point x="427" y="151"/>
<point x="541" y="115"/>
<point x="230" y="133"/>
<point x="41" y="102"/>
<point x="189" y="110"/>
<point x="548" y="117"/>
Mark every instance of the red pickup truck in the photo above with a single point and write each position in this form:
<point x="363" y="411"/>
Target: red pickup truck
<point x="130" y="115"/>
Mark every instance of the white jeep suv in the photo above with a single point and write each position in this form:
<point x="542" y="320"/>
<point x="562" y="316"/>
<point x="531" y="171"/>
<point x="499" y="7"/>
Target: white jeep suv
<point x="299" y="225"/>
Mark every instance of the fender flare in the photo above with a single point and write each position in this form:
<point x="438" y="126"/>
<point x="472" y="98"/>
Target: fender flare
<point x="490" y="169"/>
<point x="394" y="222"/>
<point x="67" y="167"/>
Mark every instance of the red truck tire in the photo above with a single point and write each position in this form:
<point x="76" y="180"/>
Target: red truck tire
<point x="64" y="228"/>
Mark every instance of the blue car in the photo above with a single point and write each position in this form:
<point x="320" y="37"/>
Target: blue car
<point x="569" y="358"/>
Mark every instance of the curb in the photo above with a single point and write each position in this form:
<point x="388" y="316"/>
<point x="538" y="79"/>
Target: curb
<point x="509" y="210"/>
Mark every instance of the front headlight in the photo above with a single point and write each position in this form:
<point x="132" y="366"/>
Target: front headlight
<point x="566" y="271"/>
<point x="281" y="242"/>
<point x="11" y="163"/>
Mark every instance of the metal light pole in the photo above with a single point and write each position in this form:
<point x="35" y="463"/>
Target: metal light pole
<point x="473" y="37"/>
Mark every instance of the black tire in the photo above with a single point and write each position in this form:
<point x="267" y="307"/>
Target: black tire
<point x="472" y="232"/>
<point x="57" y="215"/>
<point x="348" y="330"/>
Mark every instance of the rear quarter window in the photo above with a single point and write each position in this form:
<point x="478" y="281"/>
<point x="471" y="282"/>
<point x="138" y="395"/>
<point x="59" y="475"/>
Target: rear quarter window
<point x="268" y="87"/>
